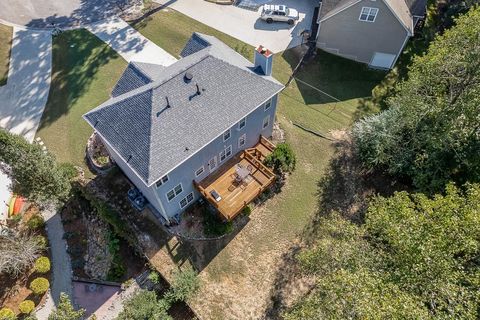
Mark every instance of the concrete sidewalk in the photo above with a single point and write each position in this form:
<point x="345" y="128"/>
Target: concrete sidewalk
<point x="23" y="98"/>
<point x="246" y="25"/>
<point x="129" y="43"/>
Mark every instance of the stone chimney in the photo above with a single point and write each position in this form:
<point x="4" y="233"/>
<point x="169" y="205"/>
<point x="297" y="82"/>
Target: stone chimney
<point x="264" y="59"/>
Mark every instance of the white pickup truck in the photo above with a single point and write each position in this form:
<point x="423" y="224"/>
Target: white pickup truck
<point x="282" y="13"/>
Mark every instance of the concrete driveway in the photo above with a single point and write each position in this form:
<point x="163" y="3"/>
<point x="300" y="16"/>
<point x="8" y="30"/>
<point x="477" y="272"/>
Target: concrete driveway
<point x="245" y="24"/>
<point x="64" y="13"/>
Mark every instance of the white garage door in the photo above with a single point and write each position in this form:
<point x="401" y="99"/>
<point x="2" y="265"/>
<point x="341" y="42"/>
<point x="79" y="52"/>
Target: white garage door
<point x="382" y="60"/>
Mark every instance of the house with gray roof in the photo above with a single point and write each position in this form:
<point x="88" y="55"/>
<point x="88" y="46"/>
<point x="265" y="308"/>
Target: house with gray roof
<point x="170" y="128"/>
<point x="369" y="31"/>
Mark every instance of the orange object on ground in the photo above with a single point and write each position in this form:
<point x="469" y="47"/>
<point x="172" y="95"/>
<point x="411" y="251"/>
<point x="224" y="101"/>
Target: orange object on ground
<point x="17" y="207"/>
<point x="11" y="204"/>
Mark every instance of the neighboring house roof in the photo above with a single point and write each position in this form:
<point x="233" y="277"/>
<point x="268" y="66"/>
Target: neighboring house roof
<point x="404" y="10"/>
<point x="154" y="139"/>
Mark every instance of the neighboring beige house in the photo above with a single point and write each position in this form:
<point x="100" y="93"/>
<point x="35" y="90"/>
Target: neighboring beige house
<point x="369" y="31"/>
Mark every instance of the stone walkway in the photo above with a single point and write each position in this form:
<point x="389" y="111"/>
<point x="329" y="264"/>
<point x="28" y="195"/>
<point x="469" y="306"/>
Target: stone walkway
<point x="61" y="267"/>
<point x="129" y="43"/>
<point x="23" y="98"/>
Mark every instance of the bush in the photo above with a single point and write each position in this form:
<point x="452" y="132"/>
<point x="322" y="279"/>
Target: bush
<point x="65" y="310"/>
<point x="36" y="222"/>
<point x="212" y="226"/>
<point x="144" y="305"/>
<point x="7" y="314"/>
<point x="102" y="160"/>
<point x="247" y="210"/>
<point x="185" y="284"/>
<point x="68" y="170"/>
<point x="26" y="306"/>
<point x="154" y="277"/>
<point x="42" y="265"/>
<point x="42" y="242"/>
<point x="39" y="285"/>
<point x="17" y="252"/>
<point x="282" y="159"/>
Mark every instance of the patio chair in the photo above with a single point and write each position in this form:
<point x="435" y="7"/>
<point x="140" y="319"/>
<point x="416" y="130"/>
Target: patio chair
<point x="231" y="188"/>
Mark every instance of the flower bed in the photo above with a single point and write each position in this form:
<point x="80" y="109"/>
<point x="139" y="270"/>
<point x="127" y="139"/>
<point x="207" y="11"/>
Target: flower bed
<point x="97" y="154"/>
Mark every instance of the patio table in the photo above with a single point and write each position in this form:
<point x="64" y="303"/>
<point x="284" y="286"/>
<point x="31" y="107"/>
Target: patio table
<point x="242" y="172"/>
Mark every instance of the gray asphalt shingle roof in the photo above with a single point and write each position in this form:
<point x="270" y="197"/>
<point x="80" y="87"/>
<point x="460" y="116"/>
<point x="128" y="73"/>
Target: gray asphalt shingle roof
<point x="154" y="138"/>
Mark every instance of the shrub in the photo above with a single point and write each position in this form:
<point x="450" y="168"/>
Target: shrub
<point x="41" y="241"/>
<point x="17" y="252"/>
<point x="26" y="306"/>
<point x="154" y="277"/>
<point x="185" y="284"/>
<point x="65" y="310"/>
<point x="247" y="210"/>
<point x="282" y="159"/>
<point x="42" y="265"/>
<point x="39" y="285"/>
<point x="102" y="160"/>
<point x="36" y="222"/>
<point x="212" y="226"/>
<point x="68" y="170"/>
<point x="7" y="314"/>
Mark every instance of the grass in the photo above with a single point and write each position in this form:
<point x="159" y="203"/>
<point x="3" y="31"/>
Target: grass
<point x="247" y="260"/>
<point x="84" y="72"/>
<point x="6" y="34"/>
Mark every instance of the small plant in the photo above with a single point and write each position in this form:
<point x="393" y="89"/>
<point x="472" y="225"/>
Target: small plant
<point x="247" y="210"/>
<point x="7" y="314"/>
<point x="26" y="306"/>
<point x="36" y="222"/>
<point x="39" y="285"/>
<point x="154" y="277"/>
<point x="213" y="226"/>
<point x="42" y="242"/>
<point x="69" y="170"/>
<point x="102" y="160"/>
<point x="282" y="159"/>
<point x="42" y="265"/>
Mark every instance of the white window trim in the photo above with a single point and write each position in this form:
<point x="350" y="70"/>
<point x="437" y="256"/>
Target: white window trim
<point x="174" y="192"/>
<point x="225" y="151"/>
<point x="201" y="168"/>
<point x="266" y="123"/>
<point x="216" y="163"/>
<point x="161" y="180"/>
<point x="244" y="136"/>
<point x="229" y="135"/>
<point x="269" y="103"/>
<point x="186" y="199"/>
<point x="368" y="14"/>
<point x="243" y="119"/>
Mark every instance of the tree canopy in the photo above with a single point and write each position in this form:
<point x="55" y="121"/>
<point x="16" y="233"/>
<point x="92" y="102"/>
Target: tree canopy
<point x="431" y="131"/>
<point x="35" y="174"/>
<point x="414" y="258"/>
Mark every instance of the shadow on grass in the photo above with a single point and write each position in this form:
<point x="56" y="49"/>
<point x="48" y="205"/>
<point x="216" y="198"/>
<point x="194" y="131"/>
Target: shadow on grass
<point x="77" y="56"/>
<point x="339" y="77"/>
<point x="345" y="188"/>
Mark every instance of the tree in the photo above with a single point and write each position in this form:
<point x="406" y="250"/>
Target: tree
<point x="282" y="158"/>
<point x="35" y="174"/>
<point x="17" y="252"/>
<point x="185" y="285"/>
<point x="66" y="311"/>
<point x="431" y="131"/>
<point x="144" y="305"/>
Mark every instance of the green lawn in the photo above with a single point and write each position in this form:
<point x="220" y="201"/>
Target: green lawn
<point x="249" y="258"/>
<point x="84" y="72"/>
<point x="6" y="33"/>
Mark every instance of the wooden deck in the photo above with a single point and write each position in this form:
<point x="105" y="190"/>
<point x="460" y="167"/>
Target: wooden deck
<point x="235" y="196"/>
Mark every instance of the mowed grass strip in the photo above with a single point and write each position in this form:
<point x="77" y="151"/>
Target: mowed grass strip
<point x="84" y="72"/>
<point x="6" y="34"/>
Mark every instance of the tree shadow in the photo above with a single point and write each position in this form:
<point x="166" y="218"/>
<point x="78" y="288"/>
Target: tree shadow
<point x="86" y="12"/>
<point x="77" y="57"/>
<point x="346" y="188"/>
<point x="336" y="76"/>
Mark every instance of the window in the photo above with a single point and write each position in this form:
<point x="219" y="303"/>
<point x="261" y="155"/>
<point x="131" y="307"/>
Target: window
<point x="199" y="171"/>
<point x="226" y="135"/>
<point x="241" y="140"/>
<point x="212" y="163"/>
<point x="185" y="201"/>
<point x="368" y="14"/>
<point x="268" y="104"/>
<point x="226" y="153"/>
<point x="266" y="122"/>
<point x="174" y="192"/>
<point x="242" y="123"/>
<point x="162" y="181"/>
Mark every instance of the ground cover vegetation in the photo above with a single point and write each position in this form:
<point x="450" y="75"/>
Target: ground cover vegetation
<point x="414" y="254"/>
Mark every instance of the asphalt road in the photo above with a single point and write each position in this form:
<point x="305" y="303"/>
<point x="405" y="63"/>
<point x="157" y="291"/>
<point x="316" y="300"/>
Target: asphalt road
<point x="62" y="13"/>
